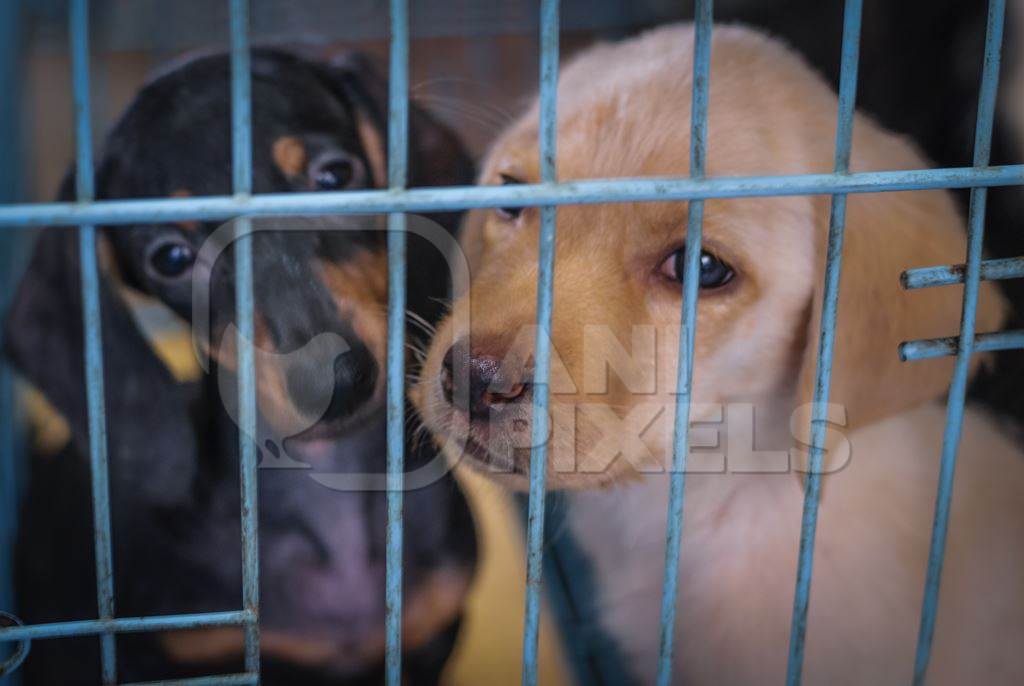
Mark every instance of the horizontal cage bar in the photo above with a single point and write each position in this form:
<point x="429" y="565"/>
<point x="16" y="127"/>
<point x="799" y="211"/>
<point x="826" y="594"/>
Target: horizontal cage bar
<point x="90" y="627"/>
<point x="525" y="195"/>
<point x="926" y="348"/>
<point x="949" y="274"/>
<point x="243" y="679"/>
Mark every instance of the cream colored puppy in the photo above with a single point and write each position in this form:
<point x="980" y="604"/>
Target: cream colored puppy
<point x="624" y="110"/>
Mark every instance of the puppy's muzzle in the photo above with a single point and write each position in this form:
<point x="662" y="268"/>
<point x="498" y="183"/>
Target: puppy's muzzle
<point x="350" y="386"/>
<point x="480" y="384"/>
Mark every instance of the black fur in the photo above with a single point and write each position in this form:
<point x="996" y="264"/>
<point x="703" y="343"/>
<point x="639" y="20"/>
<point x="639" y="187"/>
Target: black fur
<point x="173" y="449"/>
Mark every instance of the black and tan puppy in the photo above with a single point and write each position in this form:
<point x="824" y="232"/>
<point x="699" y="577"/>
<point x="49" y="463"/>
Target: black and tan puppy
<point x="173" y="446"/>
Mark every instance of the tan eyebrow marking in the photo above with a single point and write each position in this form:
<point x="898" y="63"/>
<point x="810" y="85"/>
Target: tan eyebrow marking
<point x="186" y="225"/>
<point x="289" y="155"/>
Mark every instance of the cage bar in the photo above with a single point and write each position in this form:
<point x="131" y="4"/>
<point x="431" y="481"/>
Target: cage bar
<point x="241" y="170"/>
<point x="90" y="627"/>
<point x="398" y="146"/>
<point x="966" y="340"/>
<point x="584" y="192"/>
<point x="687" y="331"/>
<point x="941" y="347"/>
<point x="218" y="680"/>
<point x="10" y="83"/>
<point x="949" y="274"/>
<point x="826" y="342"/>
<point x="540" y="420"/>
<point x="86" y="214"/>
<point x="85" y="191"/>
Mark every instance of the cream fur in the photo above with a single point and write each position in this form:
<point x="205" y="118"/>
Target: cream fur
<point x="624" y="111"/>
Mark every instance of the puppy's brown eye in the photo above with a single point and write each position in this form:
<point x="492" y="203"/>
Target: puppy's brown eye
<point x="509" y="213"/>
<point x="714" y="272"/>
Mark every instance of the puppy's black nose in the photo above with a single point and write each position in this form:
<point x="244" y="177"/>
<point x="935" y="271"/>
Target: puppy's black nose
<point x="350" y="386"/>
<point x="490" y="386"/>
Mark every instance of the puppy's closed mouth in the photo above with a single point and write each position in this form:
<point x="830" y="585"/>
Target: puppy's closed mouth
<point x="481" y="458"/>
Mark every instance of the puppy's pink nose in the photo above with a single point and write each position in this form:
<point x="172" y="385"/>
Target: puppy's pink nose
<point x="477" y="383"/>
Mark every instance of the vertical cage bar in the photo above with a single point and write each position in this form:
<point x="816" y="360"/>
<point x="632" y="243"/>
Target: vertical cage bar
<point x="826" y="342"/>
<point x="241" y="169"/>
<point x="965" y="346"/>
<point x="84" y="185"/>
<point x="688" y="324"/>
<point x="549" y="11"/>
<point x="10" y="456"/>
<point x="398" y="134"/>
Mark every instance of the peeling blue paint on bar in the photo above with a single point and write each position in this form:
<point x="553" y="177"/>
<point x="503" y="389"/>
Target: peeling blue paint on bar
<point x="548" y="136"/>
<point x="949" y="274"/>
<point x="241" y="169"/>
<point x="942" y="347"/>
<point x="823" y="373"/>
<point x="90" y="627"/>
<point x="687" y="332"/>
<point x="584" y="192"/>
<point x="398" y="146"/>
<point x="966" y="340"/>
<point x="84" y="184"/>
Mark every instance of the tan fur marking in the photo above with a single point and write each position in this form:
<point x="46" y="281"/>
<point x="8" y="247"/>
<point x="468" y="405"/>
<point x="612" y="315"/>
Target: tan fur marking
<point x="373" y="146"/>
<point x="289" y="155"/>
<point x="431" y="608"/>
<point x="185" y="225"/>
<point x="360" y="289"/>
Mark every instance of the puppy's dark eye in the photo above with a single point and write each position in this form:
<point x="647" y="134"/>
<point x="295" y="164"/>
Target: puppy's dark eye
<point x="334" y="175"/>
<point x="714" y="272"/>
<point x="509" y="213"/>
<point x="172" y="259"/>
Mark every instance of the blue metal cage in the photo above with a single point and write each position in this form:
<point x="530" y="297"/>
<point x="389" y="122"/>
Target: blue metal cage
<point x="549" y="194"/>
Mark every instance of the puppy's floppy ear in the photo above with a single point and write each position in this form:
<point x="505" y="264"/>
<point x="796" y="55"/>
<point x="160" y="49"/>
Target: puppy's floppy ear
<point x="887" y="233"/>
<point x="436" y="155"/>
<point x="151" y="442"/>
